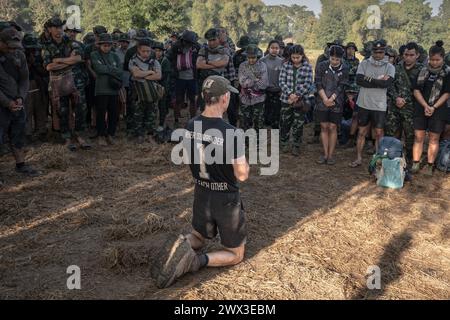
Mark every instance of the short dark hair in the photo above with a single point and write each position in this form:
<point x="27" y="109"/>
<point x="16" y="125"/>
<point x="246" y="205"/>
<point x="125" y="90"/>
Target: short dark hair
<point x="272" y="42"/>
<point x="438" y="48"/>
<point x="412" y="46"/>
<point x="298" y="49"/>
<point x="337" y="51"/>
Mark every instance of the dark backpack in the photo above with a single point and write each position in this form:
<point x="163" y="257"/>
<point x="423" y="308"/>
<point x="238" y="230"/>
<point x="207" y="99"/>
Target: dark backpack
<point x="443" y="158"/>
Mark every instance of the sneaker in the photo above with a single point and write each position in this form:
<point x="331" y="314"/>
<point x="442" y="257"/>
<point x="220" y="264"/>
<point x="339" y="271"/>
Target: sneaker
<point x="322" y="160"/>
<point x="415" y="168"/>
<point x="70" y="145"/>
<point x="28" y="171"/>
<point x="175" y="259"/>
<point x="331" y="162"/>
<point x="296" y="151"/>
<point x="429" y="170"/>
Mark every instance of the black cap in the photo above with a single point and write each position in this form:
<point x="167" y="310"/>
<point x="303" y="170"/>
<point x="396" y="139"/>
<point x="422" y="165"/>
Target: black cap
<point x="158" y="45"/>
<point x="98" y="30"/>
<point x="104" y="38"/>
<point x="212" y="34"/>
<point x="379" y="45"/>
<point x="55" y="22"/>
<point x="189" y="36"/>
<point x="216" y="86"/>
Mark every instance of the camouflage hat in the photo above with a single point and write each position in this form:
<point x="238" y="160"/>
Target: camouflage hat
<point x="243" y="42"/>
<point x="158" y="45"/>
<point x="55" y="22"/>
<point x="105" y="38"/>
<point x="12" y="38"/>
<point x="116" y="31"/>
<point x="98" y="30"/>
<point x="30" y="41"/>
<point x="217" y="86"/>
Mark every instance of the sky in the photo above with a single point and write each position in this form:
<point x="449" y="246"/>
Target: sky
<point x="316" y="7"/>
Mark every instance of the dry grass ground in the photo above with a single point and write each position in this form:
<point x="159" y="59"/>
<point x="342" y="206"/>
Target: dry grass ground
<point x="313" y="230"/>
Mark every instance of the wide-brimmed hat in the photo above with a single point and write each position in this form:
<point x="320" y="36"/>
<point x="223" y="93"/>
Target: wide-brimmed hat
<point x="105" y="38"/>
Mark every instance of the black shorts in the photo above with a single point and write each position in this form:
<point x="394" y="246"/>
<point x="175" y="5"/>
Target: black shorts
<point x="376" y="118"/>
<point x="13" y="124"/>
<point x="328" y="116"/>
<point x="217" y="212"/>
<point x="433" y="124"/>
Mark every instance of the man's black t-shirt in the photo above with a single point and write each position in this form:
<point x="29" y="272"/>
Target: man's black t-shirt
<point x="213" y="145"/>
<point x="442" y="113"/>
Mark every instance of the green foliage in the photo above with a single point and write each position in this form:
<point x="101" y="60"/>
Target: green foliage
<point x="347" y="20"/>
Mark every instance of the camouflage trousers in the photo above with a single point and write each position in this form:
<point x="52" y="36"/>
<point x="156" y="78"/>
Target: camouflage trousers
<point x="163" y="107"/>
<point x="399" y="121"/>
<point x="131" y="106"/>
<point x="80" y="111"/>
<point x="252" y="116"/>
<point x="144" y="118"/>
<point x="291" y="119"/>
<point x="272" y="110"/>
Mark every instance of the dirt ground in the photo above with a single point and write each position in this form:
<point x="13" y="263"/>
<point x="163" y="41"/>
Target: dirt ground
<point x="313" y="230"/>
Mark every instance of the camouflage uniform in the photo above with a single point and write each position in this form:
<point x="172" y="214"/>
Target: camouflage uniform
<point x="81" y="78"/>
<point x="61" y="105"/>
<point x="402" y="119"/>
<point x="291" y="118"/>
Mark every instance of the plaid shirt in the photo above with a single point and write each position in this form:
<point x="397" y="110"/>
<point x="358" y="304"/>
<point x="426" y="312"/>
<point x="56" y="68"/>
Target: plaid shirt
<point x="230" y="71"/>
<point x="304" y="80"/>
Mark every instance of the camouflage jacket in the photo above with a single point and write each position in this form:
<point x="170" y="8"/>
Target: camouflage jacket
<point x="403" y="85"/>
<point x="352" y="65"/>
<point x="80" y="72"/>
<point x="52" y="50"/>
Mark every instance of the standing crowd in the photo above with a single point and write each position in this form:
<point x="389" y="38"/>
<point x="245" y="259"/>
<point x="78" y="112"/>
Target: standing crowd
<point x="81" y="90"/>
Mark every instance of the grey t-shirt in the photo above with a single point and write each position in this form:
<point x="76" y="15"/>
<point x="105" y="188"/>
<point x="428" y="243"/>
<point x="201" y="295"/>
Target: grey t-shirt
<point x="374" y="98"/>
<point x="186" y="74"/>
<point x="151" y="64"/>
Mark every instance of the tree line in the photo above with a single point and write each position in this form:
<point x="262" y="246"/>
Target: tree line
<point x="399" y="21"/>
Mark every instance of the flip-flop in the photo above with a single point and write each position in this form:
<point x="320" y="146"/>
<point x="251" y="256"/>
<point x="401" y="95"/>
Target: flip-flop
<point x="355" y="164"/>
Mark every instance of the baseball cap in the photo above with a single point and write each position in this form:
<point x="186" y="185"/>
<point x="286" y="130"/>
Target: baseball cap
<point x="216" y="86"/>
<point x="379" y="45"/>
<point x="12" y="38"/>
